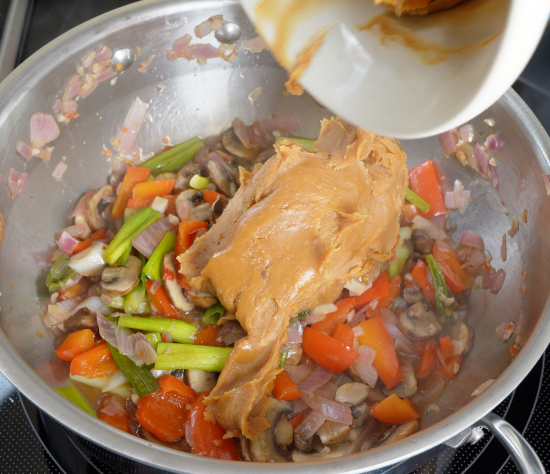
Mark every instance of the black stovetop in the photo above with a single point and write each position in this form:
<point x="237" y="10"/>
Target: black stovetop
<point x="32" y="442"/>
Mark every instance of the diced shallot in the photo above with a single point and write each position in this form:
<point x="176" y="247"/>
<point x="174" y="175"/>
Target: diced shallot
<point x="59" y="170"/>
<point x="293" y="334"/>
<point x="298" y="373"/>
<point x="493" y="142"/>
<point x="458" y="198"/>
<point x="131" y="126"/>
<point x="476" y="258"/>
<point x="482" y="159"/>
<point x="254" y="45"/>
<point x="56" y="106"/>
<point x="147" y="241"/>
<point x="449" y="140"/>
<point x="212" y="24"/>
<point x="104" y="54"/>
<point x="17" y="183"/>
<point x="330" y="409"/>
<point x="390" y="322"/>
<point x="61" y="311"/>
<point x="44" y="129"/>
<point x="67" y="243"/>
<point x="23" y="150"/>
<point x="467" y="133"/>
<point x="494" y="175"/>
<point x="363" y="365"/>
<point x="286" y="123"/>
<point x="309" y="425"/>
<point x="497" y="280"/>
<point x="471" y="239"/>
<point x="316" y="379"/>
<point x="72" y="87"/>
<point x="105" y="74"/>
<point x="429" y="228"/>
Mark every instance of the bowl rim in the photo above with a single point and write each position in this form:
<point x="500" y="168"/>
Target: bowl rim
<point x="38" y="392"/>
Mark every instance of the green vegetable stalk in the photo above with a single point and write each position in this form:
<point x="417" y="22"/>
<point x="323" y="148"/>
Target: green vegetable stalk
<point x="190" y="356"/>
<point x="134" y="299"/>
<point x="444" y="311"/>
<point x="180" y="330"/>
<point x="154" y="338"/>
<point x="401" y="253"/>
<point x="173" y="158"/>
<point x="139" y="377"/>
<point x="122" y="243"/>
<point x="153" y="267"/>
<point x="213" y="314"/>
<point x="415" y="199"/>
<point x="303" y="314"/>
<point x="305" y="142"/>
<point x="282" y="359"/>
<point x="116" y="302"/>
<point x="59" y="273"/>
<point x="71" y="394"/>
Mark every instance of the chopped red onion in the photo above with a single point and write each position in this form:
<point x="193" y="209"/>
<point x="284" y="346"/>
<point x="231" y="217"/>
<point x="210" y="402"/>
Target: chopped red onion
<point x="316" y="379"/>
<point x="106" y="329"/>
<point x="486" y="274"/>
<point x="493" y="142"/>
<point x="264" y="131"/>
<point x="310" y="424"/>
<point x="44" y="129"/>
<point x="104" y="54"/>
<point x="390" y="322"/>
<point x="200" y="52"/>
<point x="59" y="170"/>
<point x="180" y="45"/>
<point x="88" y="86"/>
<point x="56" y="106"/>
<point x="147" y="241"/>
<point x="61" y="311"/>
<point x="107" y="73"/>
<point x="449" y="140"/>
<point x="471" y="239"/>
<point x="67" y="243"/>
<point x="476" y="258"/>
<point x="17" y="183"/>
<point x="123" y="341"/>
<point x="497" y="280"/>
<point x="80" y="209"/>
<point x="494" y="175"/>
<point x="88" y="60"/>
<point x="330" y="409"/>
<point x="363" y="365"/>
<point x="371" y="430"/>
<point x="482" y="159"/>
<point x="402" y="348"/>
<point x="212" y="24"/>
<point x="293" y="334"/>
<point x="358" y="317"/>
<point x="429" y="228"/>
<point x="286" y="123"/>
<point x="245" y="134"/>
<point x="114" y="407"/>
<point x="328" y="390"/>
<point x="298" y="373"/>
<point x="254" y="45"/>
<point x="546" y="180"/>
<point x="23" y="150"/>
<point x="458" y="198"/>
<point x="143" y="349"/>
<point x="131" y="125"/>
<point x="72" y="88"/>
<point x="467" y="133"/>
<point x="68" y="109"/>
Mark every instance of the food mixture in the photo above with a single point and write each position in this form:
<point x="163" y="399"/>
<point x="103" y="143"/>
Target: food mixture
<point x="267" y="298"/>
<point x="418" y="7"/>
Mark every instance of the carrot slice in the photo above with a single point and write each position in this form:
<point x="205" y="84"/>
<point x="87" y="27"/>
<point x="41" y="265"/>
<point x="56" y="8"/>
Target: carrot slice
<point x="208" y="337"/>
<point x="208" y="437"/>
<point x="138" y="203"/>
<point x="210" y="196"/>
<point x="379" y="289"/>
<point x="344" y="334"/>
<point x="184" y="240"/>
<point x="331" y="321"/>
<point x="160" y="301"/>
<point x="297" y="419"/>
<point x="80" y="288"/>
<point x="393" y="410"/>
<point x="327" y="351"/>
<point x="456" y="277"/>
<point x="75" y="344"/>
<point x="419" y="275"/>
<point x="423" y="181"/>
<point x="452" y="366"/>
<point x="164" y="412"/>
<point x="447" y="348"/>
<point x="285" y="388"/>
<point x="121" y="418"/>
<point x="84" y="244"/>
<point x="385" y="362"/>
<point x="97" y="362"/>
<point x="151" y="189"/>
<point x="428" y="361"/>
<point x="133" y="176"/>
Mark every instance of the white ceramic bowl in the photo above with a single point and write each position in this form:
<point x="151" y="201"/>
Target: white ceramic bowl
<point x="409" y="77"/>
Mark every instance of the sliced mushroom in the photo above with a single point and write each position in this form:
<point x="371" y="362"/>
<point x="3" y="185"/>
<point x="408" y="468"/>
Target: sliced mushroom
<point x="95" y="208"/>
<point x="174" y="291"/>
<point x="284" y="432"/>
<point x="466" y="337"/>
<point x="264" y="447"/>
<point x="376" y="395"/>
<point x="399" y="432"/>
<point x="217" y="208"/>
<point x="244" y="449"/>
<point x="81" y="321"/>
<point x="303" y="445"/>
<point x="331" y="432"/>
<point x="121" y="279"/>
<point x="408" y="386"/>
<point x="200" y="380"/>
<point x="90" y="261"/>
<point x="360" y="414"/>
<point x="220" y="177"/>
<point x="423" y="243"/>
<point x="336" y="451"/>
<point x="352" y="394"/>
<point x="413" y="295"/>
<point x="200" y="298"/>
<point x="419" y="324"/>
<point x="193" y="212"/>
<point x="264" y="155"/>
<point x="185" y="174"/>
<point x="233" y="145"/>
